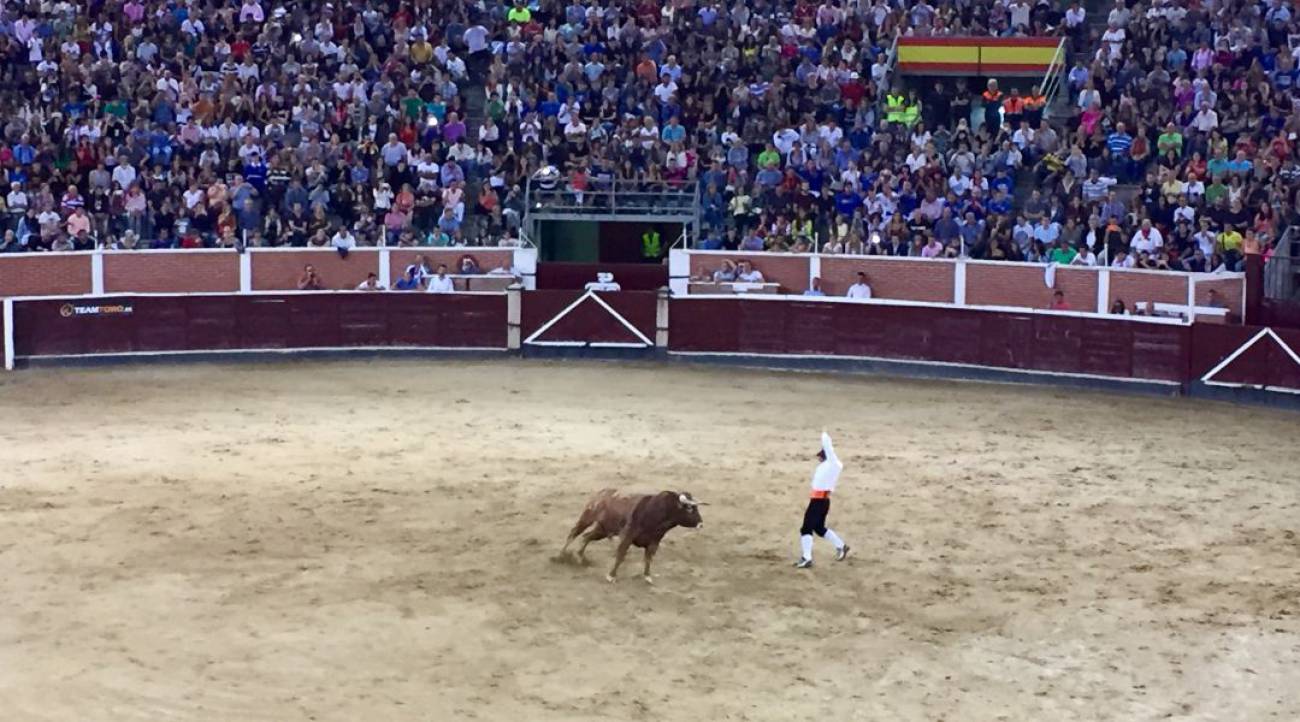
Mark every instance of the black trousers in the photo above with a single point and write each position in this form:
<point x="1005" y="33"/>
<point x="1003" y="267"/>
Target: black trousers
<point x="814" y="517"/>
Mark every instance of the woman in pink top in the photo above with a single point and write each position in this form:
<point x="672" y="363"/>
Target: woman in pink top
<point x="933" y="249"/>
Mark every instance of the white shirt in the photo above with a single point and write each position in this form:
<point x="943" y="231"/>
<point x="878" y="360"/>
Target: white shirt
<point x="1149" y="241"/>
<point x="124" y="175"/>
<point x="343" y="239"/>
<point x="859" y="290"/>
<point x="441" y="284"/>
<point x="827" y="473"/>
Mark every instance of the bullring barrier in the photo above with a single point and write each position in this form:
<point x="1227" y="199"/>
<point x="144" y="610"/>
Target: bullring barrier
<point x="990" y="343"/>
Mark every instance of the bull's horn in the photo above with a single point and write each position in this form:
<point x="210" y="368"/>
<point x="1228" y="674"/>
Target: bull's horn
<point x="686" y="500"/>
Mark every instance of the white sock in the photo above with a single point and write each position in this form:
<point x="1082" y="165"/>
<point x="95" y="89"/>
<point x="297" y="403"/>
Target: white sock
<point x="834" y="539"/>
<point x="806" y="542"/>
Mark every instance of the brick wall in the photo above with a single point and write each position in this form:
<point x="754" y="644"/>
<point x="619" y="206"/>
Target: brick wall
<point x="45" y="274"/>
<point x="788" y="270"/>
<point x="279" y="270"/>
<point x="1136" y="287"/>
<point x="170" y="272"/>
<point x="930" y="281"/>
<point x="1023" y="285"/>
<point x="1230" y="291"/>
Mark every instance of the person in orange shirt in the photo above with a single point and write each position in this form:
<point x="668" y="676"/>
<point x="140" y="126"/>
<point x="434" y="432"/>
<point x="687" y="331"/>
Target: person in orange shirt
<point x="1034" y="104"/>
<point x="1013" y="109"/>
<point x="647" y="70"/>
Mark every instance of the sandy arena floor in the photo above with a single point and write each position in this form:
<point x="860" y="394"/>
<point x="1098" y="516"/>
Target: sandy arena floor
<point x="370" y="541"/>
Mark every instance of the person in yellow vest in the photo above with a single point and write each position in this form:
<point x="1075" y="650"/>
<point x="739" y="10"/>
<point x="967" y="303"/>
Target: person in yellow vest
<point x="651" y="246"/>
<point x="895" y="106"/>
<point x="911" y="109"/>
<point x="992" y="107"/>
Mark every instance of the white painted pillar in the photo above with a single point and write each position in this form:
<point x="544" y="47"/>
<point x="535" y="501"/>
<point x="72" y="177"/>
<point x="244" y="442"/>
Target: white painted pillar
<point x="959" y="283"/>
<point x="514" y="313"/>
<point x="385" y="271"/>
<point x="9" y="333"/>
<point x="1103" y="290"/>
<point x="246" y="270"/>
<point x="679" y="271"/>
<point x="814" y="268"/>
<point x="97" y="273"/>
<point x="1191" y="298"/>
<point x="661" y="320"/>
<point x="525" y="260"/>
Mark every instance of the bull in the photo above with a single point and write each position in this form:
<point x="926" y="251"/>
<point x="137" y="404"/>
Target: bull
<point x="636" y="519"/>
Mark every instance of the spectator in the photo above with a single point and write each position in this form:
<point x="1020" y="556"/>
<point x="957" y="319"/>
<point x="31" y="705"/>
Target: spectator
<point x="749" y="274"/>
<point x="410" y="280"/>
<point x="440" y="282"/>
<point x="861" y="289"/>
<point x="815" y="288"/>
<point x="343" y="241"/>
<point x="371" y="283"/>
<point x="310" y="280"/>
<point x="1058" y="301"/>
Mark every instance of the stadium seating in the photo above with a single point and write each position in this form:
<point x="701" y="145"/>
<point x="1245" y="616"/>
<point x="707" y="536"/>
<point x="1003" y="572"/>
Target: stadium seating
<point x="149" y="124"/>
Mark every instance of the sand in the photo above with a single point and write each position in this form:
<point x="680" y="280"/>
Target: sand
<point x="371" y="541"/>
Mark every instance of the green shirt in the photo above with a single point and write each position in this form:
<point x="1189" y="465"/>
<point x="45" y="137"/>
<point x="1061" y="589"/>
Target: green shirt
<point x="769" y="159"/>
<point x="519" y="15"/>
<point x="496" y="110"/>
<point x="1062" y="256"/>
<point x="411" y="106"/>
<point x="1168" y="141"/>
<point x="116" y="107"/>
<point x="1215" y="191"/>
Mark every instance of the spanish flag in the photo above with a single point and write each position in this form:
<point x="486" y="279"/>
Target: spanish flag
<point x="978" y="56"/>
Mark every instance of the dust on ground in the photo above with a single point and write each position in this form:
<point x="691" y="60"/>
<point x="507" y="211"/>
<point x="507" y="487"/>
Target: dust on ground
<point x="348" y="541"/>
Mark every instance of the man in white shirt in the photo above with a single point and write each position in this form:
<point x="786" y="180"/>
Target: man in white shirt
<point x="749" y="274"/>
<point x="123" y="173"/>
<point x="441" y="282"/>
<point x="1085" y="257"/>
<point x="1147" y="238"/>
<point x="1206" y="119"/>
<point x="1113" y="40"/>
<point x="860" y="289"/>
<point x="343" y="240"/>
<point x="17" y="200"/>
<point x="824" y="478"/>
<point x="371" y="283"/>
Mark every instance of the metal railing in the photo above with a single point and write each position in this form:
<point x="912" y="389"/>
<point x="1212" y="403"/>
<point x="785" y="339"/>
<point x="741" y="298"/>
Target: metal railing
<point x="1054" y="79"/>
<point x="554" y="194"/>
<point x="1281" y="269"/>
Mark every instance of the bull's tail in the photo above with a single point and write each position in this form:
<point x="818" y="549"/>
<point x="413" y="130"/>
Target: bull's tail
<point x="590" y="513"/>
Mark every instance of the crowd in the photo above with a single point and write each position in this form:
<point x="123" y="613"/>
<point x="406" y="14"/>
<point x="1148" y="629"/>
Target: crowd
<point x="189" y="123"/>
<point x="1178" y="152"/>
<point x="1197" y="105"/>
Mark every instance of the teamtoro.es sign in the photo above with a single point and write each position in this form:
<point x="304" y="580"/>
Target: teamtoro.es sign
<point x="68" y="310"/>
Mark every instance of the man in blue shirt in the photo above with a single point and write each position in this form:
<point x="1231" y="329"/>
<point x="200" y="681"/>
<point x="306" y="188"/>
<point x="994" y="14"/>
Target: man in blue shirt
<point x="24" y="153"/>
<point x="673" y="132"/>
<point x="1118" y="143"/>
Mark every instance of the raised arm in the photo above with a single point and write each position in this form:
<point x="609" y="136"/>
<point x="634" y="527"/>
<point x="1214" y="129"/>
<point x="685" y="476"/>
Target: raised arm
<point x="828" y="449"/>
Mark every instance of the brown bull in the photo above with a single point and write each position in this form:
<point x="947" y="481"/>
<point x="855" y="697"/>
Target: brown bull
<point x="637" y="519"/>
